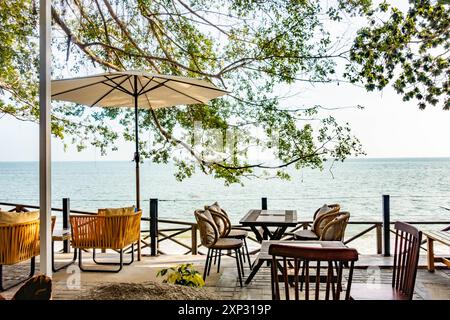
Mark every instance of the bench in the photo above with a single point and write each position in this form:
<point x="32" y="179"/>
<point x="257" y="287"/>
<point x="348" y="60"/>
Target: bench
<point x="439" y="236"/>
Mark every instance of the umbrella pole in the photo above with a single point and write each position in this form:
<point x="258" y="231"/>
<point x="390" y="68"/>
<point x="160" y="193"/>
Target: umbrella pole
<point x="136" y="156"/>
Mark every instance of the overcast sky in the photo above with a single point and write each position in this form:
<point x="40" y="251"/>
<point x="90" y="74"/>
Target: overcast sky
<point x="387" y="127"/>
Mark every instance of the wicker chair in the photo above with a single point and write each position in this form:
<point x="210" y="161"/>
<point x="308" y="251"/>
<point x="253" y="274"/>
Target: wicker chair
<point x="19" y="242"/>
<point x="335" y="229"/>
<point x="319" y="222"/>
<point x="105" y="232"/>
<point x="223" y="224"/>
<point x="210" y="238"/>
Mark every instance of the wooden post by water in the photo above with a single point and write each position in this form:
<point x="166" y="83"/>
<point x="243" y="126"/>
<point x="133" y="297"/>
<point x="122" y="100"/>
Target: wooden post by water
<point x="194" y="239"/>
<point x="379" y="231"/>
<point x="387" y="225"/>
<point x="153" y="227"/>
<point x="65" y="219"/>
<point x="264" y="203"/>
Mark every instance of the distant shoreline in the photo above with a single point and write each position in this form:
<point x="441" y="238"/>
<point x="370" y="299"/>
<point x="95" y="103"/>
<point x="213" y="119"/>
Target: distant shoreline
<point x="349" y="159"/>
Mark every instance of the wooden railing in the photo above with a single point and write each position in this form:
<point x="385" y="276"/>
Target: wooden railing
<point x="154" y="236"/>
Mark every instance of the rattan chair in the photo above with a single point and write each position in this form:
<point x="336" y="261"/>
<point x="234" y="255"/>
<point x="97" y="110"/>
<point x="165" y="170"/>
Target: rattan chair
<point x="318" y="284"/>
<point x="319" y="222"/>
<point x="223" y="224"/>
<point x="105" y="232"/>
<point x="334" y="230"/>
<point x="19" y="242"/>
<point x="210" y="238"/>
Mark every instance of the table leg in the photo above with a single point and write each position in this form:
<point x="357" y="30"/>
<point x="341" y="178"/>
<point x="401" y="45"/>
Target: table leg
<point x="257" y="234"/>
<point x="430" y="245"/>
<point x="255" y="269"/>
<point x="278" y="234"/>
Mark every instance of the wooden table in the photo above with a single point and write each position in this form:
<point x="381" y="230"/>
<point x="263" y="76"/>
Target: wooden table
<point x="264" y="255"/>
<point x="281" y="219"/>
<point x="439" y="236"/>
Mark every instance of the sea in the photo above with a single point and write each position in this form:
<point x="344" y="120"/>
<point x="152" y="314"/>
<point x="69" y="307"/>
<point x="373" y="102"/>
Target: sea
<point x="419" y="189"/>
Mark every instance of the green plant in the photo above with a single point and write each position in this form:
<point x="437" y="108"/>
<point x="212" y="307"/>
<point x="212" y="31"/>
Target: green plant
<point x="182" y="274"/>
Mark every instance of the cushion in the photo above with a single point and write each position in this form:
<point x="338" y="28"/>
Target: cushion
<point x="305" y="235"/>
<point x="118" y="211"/>
<point x="323" y="222"/>
<point x="215" y="206"/>
<point x="206" y="228"/>
<point x="18" y="217"/>
<point x="227" y="243"/>
<point x="220" y="223"/>
<point x="239" y="234"/>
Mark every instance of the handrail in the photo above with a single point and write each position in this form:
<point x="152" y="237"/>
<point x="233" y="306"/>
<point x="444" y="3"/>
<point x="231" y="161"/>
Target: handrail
<point x="192" y="226"/>
<point x="37" y="207"/>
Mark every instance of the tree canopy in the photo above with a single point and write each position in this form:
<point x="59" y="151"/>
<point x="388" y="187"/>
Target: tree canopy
<point x="248" y="47"/>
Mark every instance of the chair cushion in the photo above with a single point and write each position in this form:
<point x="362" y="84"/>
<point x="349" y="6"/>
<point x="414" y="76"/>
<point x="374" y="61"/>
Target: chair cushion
<point x="227" y="243"/>
<point x="18" y="217"/>
<point x="215" y="206"/>
<point x="305" y="235"/>
<point x="325" y="209"/>
<point x="208" y="229"/>
<point x="117" y="211"/>
<point x="220" y="223"/>
<point x="237" y="234"/>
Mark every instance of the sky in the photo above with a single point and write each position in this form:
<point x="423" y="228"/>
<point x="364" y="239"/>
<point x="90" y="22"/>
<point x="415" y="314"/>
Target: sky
<point x="387" y="127"/>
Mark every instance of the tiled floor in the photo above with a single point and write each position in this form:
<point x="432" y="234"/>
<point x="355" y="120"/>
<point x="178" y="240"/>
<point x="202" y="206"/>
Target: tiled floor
<point x="71" y="283"/>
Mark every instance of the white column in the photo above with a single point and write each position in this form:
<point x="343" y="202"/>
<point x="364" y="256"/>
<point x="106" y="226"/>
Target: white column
<point x="44" y="136"/>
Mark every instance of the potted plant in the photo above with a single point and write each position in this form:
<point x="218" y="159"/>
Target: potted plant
<point x="182" y="274"/>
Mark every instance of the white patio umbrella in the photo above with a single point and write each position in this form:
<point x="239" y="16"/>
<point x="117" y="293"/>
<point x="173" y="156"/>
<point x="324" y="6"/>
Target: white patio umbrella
<point x="135" y="89"/>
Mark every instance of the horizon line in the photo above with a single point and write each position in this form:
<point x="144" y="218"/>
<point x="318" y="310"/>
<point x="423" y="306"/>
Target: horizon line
<point x="352" y="158"/>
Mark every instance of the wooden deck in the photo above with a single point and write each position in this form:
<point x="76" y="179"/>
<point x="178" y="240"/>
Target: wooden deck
<point x="71" y="284"/>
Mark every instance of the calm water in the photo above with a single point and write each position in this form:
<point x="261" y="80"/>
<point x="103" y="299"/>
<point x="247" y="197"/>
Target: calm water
<point x="418" y="188"/>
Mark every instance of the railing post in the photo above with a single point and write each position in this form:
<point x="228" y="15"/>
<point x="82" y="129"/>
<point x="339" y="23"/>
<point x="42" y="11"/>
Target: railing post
<point x="153" y="227"/>
<point x="65" y="219"/>
<point x="264" y="203"/>
<point x="194" y="239"/>
<point x="379" y="239"/>
<point x="387" y="225"/>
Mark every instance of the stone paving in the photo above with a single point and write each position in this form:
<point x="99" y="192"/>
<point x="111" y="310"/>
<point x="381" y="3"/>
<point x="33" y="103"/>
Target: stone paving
<point x="225" y="284"/>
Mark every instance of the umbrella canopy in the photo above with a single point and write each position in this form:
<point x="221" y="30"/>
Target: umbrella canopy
<point x="134" y="89"/>
<point x="119" y="89"/>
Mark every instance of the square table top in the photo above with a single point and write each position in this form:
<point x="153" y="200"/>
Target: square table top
<point x="276" y="218"/>
<point x="264" y="253"/>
